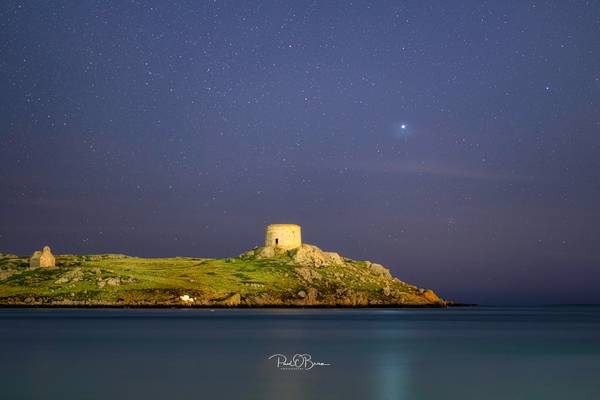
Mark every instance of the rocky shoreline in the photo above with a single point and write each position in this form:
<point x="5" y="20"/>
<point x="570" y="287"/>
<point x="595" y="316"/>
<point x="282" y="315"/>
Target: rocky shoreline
<point x="201" y="307"/>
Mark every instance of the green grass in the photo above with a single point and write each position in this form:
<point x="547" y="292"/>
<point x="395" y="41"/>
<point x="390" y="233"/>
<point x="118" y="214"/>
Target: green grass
<point x="147" y="281"/>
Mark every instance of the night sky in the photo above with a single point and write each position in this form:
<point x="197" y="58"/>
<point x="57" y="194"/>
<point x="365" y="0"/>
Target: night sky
<point x="455" y="142"/>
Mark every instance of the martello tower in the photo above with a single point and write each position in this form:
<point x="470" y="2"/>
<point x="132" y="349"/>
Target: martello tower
<point x="283" y="236"/>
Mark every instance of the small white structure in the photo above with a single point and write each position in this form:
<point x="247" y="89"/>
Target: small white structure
<point x="187" y="299"/>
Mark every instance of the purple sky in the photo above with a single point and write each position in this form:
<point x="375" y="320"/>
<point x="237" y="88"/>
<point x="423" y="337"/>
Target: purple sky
<point x="455" y="142"/>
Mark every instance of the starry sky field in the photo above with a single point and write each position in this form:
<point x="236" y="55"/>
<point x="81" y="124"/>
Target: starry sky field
<point x="455" y="142"/>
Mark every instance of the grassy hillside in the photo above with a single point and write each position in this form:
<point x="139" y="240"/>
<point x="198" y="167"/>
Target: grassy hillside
<point x="306" y="277"/>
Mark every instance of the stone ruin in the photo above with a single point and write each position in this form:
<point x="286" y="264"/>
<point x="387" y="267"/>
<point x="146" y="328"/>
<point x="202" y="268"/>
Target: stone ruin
<point x="42" y="258"/>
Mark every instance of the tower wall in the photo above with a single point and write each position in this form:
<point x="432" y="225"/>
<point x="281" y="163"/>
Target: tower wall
<point x="284" y="236"/>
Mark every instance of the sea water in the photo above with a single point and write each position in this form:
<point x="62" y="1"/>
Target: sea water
<point x="456" y="353"/>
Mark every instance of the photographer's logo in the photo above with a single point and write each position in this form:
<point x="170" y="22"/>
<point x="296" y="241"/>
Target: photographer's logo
<point x="298" y="362"/>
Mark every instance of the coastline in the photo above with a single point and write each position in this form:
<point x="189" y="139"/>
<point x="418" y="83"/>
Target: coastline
<point x="246" y="307"/>
<point x="305" y="277"/>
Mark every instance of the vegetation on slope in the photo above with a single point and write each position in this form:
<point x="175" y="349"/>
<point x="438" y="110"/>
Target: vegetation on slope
<point x="260" y="277"/>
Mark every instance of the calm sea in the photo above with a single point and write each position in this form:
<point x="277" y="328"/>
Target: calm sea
<point x="471" y="353"/>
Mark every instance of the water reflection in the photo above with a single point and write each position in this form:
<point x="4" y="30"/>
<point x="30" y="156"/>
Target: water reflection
<point x="375" y="354"/>
<point x="392" y="375"/>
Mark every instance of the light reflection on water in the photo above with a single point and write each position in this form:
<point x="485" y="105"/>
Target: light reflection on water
<point x="488" y="353"/>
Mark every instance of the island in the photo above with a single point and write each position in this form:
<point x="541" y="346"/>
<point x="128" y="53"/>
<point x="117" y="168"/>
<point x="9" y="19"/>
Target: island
<point x="283" y="273"/>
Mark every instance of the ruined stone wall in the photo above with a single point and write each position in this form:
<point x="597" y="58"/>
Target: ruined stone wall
<point x="284" y="236"/>
<point x="34" y="261"/>
<point x="47" y="259"/>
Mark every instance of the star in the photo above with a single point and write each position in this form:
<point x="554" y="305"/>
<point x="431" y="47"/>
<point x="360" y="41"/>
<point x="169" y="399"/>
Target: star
<point x="401" y="130"/>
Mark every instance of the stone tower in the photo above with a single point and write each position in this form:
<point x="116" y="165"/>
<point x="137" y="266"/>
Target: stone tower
<point x="283" y="236"/>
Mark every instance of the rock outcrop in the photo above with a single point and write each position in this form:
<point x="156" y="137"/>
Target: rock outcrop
<point x="304" y="255"/>
<point x="378" y="269"/>
<point x="328" y="279"/>
<point x="307" y="273"/>
<point x="232" y="301"/>
<point x="312" y="256"/>
<point x="71" y="276"/>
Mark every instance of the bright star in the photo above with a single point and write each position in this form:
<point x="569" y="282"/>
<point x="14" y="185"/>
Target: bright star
<point x="401" y="130"/>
